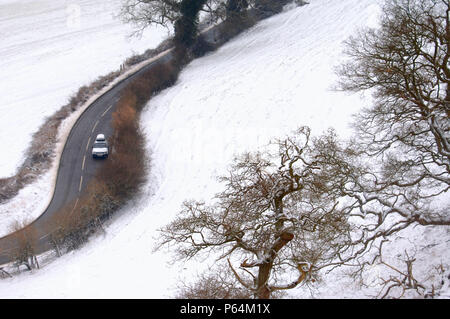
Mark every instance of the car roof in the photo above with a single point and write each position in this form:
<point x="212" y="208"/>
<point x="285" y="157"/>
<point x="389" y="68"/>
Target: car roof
<point x="100" y="137"/>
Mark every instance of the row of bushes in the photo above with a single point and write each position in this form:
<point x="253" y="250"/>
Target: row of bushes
<point x="121" y="176"/>
<point x="117" y="181"/>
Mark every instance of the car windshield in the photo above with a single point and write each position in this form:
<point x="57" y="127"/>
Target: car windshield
<point x="100" y="144"/>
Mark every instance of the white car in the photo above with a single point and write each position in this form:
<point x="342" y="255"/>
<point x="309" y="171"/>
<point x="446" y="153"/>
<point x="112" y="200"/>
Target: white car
<point x="100" y="147"/>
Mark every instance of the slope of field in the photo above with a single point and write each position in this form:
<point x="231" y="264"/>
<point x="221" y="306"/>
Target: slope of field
<point x="48" y="49"/>
<point x="265" y="83"/>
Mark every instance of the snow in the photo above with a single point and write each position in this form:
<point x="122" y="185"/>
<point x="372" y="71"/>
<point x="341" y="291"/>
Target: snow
<point x="264" y="84"/>
<point x="42" y="47"/>
<point x="48" y="50"/>
<point x="33" y="199"/>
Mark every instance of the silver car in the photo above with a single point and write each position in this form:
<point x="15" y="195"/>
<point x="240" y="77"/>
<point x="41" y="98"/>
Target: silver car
<point x="100" y="147"/>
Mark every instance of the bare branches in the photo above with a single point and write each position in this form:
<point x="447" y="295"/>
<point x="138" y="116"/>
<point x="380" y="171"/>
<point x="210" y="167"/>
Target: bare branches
<point x="402" y="142"/>
<point x="310" y="203"/>
<point x="403" y="281"/>
<point x="25" y="251"/>
<point x="220" y="284"/>
<point x="304" y="269"/>
<point x="405" y="62"/>
<point x="271" y="217"/>
<point x="143" y="13"/>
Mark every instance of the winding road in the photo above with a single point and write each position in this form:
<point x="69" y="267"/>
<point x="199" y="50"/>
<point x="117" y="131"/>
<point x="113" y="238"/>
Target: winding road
<point x="76" y="166"/>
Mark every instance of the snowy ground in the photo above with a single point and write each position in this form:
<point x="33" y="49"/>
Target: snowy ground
<point x="264" y="84"/>
<point x="48" y="49"/>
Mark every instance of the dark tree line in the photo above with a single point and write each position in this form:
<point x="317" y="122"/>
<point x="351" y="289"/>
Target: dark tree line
<point x="183" y="15"/>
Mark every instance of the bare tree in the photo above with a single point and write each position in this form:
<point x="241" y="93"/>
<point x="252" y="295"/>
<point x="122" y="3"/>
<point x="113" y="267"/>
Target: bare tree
<point x="406" y="64"/>
<point x="402" y="141"/>
<point x="144" y="13"/>
<point x="402" y="282"/>
<point x="325" y="205"/>
<point x="218" y="283"/>
<point x="166" y="13"/>
<point x="24" y="252"/>
<point x="282" y="221"/>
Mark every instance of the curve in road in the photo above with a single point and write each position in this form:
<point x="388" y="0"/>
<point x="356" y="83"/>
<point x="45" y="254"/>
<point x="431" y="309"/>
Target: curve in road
<point x="76" y="166"/>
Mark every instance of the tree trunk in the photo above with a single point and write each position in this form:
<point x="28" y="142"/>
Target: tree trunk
<point x="263" y="291"/>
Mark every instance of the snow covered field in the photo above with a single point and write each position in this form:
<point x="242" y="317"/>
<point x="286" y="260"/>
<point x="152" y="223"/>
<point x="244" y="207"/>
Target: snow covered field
<point x="48" y="49"/>
<point x="263" y="84"/>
